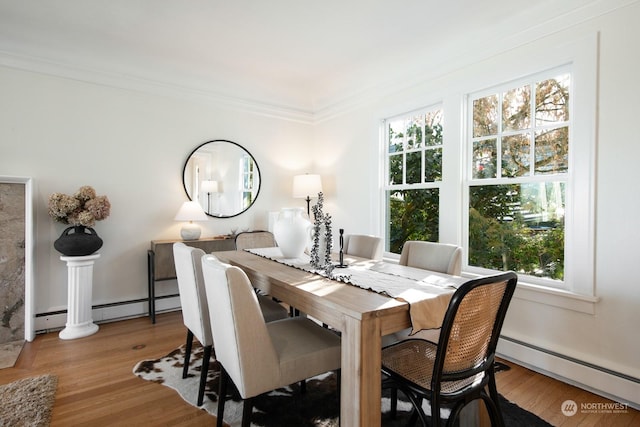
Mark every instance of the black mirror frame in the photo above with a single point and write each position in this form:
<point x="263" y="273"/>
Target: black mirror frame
<point x="184" y="169"/>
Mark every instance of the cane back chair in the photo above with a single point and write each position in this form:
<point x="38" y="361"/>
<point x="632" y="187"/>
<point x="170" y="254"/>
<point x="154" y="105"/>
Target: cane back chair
<point x="456" y="370"/>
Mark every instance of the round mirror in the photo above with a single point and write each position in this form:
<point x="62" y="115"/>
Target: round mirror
<point x="223" y="177"/>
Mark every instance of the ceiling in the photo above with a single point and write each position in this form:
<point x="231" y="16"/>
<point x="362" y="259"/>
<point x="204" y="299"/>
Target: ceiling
<point x="295" y="54"/>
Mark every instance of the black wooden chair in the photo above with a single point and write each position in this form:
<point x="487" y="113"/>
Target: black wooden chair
<point x="457" y="369"/>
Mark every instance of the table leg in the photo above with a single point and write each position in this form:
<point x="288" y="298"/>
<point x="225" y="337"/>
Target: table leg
<point x="151" y="285"/>
<point x="360" y="394"/>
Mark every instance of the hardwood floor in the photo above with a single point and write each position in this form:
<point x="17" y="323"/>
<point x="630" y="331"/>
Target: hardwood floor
<point x="96" y="386"/>
<point x="544" y="397"/>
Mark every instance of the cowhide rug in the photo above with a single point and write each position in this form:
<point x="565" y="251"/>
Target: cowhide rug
<point x="285" y="407"/>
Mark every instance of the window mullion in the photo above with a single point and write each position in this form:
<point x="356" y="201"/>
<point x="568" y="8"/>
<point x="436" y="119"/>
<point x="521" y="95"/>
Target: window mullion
<point x="499" y="136"/>
<point x="532" y="130"/>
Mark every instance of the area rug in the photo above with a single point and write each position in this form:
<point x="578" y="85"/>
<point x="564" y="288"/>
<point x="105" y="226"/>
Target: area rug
<point x="28" y="402"/>
<point x="285" y="407"/>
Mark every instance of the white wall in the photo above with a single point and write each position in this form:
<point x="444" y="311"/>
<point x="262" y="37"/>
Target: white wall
<point x="609" y="337"/>
<point x="130" y="147"/>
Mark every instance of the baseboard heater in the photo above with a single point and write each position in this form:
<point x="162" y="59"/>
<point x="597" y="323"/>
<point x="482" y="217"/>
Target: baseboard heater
<point x="102" y="313"/>
<point x="597" y="379"/>
<point x="111" y="304"/>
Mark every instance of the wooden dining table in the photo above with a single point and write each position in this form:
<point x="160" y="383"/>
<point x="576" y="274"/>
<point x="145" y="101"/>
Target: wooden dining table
<point x="362" y="317"/>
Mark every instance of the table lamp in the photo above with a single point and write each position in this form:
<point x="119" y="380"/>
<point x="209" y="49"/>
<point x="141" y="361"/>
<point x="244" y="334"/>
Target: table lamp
<point x="190" y="211"/>
<point x="304" y="186"/>
<point x="209" y="187"/>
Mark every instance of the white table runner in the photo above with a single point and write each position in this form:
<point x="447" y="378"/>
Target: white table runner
<point x="427" y="292"/>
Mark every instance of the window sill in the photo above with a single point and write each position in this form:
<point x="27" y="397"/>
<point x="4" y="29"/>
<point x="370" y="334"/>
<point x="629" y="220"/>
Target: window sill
<point x="539" y="294"/>
<point x="556" y="297"/>
<point x="546" y="295"/>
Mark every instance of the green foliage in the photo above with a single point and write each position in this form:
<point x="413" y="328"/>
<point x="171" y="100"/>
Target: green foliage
<point x="413" y="216"/>
<point x="501" y="238"/>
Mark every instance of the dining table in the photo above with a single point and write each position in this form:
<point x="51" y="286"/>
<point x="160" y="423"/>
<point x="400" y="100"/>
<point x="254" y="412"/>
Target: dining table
<point x="364" y="302"/>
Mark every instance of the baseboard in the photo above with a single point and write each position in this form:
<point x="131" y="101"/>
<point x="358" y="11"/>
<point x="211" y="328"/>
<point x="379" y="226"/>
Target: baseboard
<point x="598" y="380"/>
<point x="56" y="320"/>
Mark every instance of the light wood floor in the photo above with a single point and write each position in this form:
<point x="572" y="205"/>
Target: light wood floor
<point x="96" y="386"/>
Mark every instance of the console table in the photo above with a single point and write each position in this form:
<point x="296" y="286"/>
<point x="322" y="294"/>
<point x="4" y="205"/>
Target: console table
<point x="161" y="265"/>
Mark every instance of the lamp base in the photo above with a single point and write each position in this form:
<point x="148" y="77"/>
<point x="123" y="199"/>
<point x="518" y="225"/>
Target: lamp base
<point x="190" y="232"/>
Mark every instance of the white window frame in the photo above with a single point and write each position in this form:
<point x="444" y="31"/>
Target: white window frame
<point x="577" y="291"/>
<point x="422" y="185"/>
<point x="469" y="181"/>
<point x="580" y="52"/>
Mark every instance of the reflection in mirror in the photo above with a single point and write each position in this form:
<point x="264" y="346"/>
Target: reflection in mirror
<point x="223" y="177"/>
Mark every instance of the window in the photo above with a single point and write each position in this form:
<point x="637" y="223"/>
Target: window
<point x="515" y="185"/>
<point x="413" y="159"/>
<point x="518" y="168"/>
<point x="247" y="180"/>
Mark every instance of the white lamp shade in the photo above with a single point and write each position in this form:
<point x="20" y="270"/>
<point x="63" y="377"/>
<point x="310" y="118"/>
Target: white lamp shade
<point x="209" y="186"/>
<point x="306" y="185"/>
<point x="191" y="211"/>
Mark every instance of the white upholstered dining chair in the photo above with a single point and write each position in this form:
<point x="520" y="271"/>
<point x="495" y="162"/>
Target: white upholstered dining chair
<point x="363" y="246"/>
<point x="258" y="239"/>
<point x="440" y="257"/>
<point x="260" y="357"/>
<point x="195" y="310"/>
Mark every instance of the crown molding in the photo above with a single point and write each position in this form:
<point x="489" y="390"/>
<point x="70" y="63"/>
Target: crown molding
<point x="451" y="57"/>
<point x="462" y="54"/>
<point x="154" y="87"/>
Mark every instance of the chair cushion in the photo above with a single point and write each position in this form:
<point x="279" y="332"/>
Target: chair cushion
<point x="304" y="348"/>
<point x="271" y="310"/>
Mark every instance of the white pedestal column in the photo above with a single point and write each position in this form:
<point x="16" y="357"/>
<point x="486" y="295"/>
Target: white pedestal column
<point x="80" y="285"/>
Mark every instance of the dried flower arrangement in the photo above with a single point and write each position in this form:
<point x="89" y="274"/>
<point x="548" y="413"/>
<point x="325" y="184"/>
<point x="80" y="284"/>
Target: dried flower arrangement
<point x="83" y="208"/>
<point x="321" y="221"/>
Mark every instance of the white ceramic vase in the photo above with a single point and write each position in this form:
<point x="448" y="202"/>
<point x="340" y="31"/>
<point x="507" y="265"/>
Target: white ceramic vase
<point x="291" y="231"/>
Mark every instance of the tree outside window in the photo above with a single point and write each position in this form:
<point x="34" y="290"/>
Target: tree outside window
<point x="518" y="169"/>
